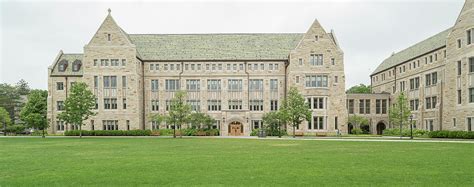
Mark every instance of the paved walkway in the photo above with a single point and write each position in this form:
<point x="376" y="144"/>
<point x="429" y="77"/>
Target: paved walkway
<point x="350" y="138"/>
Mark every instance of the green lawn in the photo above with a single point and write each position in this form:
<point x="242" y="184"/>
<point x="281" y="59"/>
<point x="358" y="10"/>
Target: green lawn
<point x="241" y="162"/>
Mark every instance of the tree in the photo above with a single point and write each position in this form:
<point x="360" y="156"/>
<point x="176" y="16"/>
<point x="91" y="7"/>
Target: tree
<point x="296" y="109"/>
<point x="22" y="87"/>
<point x="179" y="111"/>
<point x="9" y="98"/>
<point x="4" y="118"/>
<point x="34" y="111"/>
<point x="361" y="88"/>
<point x="400" y="111"/>
<point x="198" y="120"/>
<point x="358" y="122"/>
<point x="274" y="120"/>
<point x="78" y="106"/>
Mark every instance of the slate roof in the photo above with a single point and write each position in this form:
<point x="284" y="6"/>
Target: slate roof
<point x="215" y="46"/>
<point x="70" y="59"/>
<point x="428" y="45"/>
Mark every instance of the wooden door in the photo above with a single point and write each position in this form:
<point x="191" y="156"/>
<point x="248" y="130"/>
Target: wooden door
<point x="235" y="129"/>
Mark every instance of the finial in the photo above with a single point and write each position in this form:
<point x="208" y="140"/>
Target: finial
<point x="109" y="10"/>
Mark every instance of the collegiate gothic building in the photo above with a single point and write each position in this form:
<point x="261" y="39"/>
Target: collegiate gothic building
<point x="237" y="78"/>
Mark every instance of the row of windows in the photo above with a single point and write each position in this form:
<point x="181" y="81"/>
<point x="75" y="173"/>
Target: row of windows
<point x="316" y="103"/>
<point x="364" y="106"/>
<point x="110" y="62"/>
<point x="156" y="126"/>
<point x="63" y="64"/>
<point x="216" y="105"/>
<point x="214" y="85"/>
<point x="316" y="60"/>
<point x="431" y="79"/>
<point x="316" y="81"/>
<point x="469" y="38"/>
<point x="214" y="67"/>
<point x="106" y="125"/>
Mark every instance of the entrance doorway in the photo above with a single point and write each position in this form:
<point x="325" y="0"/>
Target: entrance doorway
<point x="236" y="129"/>
<point x="380" y="128"/>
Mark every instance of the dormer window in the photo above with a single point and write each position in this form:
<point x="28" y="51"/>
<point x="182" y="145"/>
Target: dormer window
<point x="62" y="66"/>
<point x="76" y="65"/>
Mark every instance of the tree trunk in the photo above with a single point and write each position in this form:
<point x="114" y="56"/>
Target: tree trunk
<point x="80" y="131"/>
<point x="279" y="130"/>
<point x="180" y="133"/>
<point x="174" y="130"/>
<point x="43" y="132"/>
<point x="294" y="130"/>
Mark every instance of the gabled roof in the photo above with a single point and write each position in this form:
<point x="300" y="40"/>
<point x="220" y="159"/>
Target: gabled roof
<point x="435" y="42"/>
<point x="215" y="46"/>
<point x="70" y="58"/>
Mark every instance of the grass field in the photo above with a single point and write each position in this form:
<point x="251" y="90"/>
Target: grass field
<point x="236" y="162"/>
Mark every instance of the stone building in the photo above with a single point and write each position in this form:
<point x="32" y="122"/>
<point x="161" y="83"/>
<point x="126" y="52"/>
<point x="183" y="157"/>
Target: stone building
<point x="235" y="78"/>
<point x="437" y="75"/>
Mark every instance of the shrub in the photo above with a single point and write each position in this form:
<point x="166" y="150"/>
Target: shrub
<point x="39" y="133"/>
<point x="405" y="132"/>
<point x="17" y="129"/>
<point x="212" y="132"/>
<point x="108" y="133"/>
<point x="357" y="131"/>
<point x="451" y="134"/>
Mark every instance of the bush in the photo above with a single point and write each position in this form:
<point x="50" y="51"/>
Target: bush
<point x="451" y="134"/>
<point x="39" y="133"/>
<point x="108" y="133"/>
<point x="269" y="132"/>
<point x="405" y="132"/>
<point x="357" y="131"/>
<point x="17" y="129"/>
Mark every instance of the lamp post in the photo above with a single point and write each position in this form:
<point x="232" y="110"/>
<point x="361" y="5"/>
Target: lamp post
<point x="411" y="126"/>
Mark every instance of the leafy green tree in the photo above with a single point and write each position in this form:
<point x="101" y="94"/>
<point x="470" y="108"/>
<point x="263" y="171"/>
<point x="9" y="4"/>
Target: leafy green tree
<point x="179" y="111"/>
<point x="358" y="122"/>
<point x="158" y="118"/>
<point x="22" y="87"/>
<point x="78" y="106"/>
<point x="361" y="88"/>
<point x="9" y="98"/>
<point x="4" y="118"/>
<point x="400" y="112"/>
<point x="295" y="108"/>
<point x="274" y="120"/>
<point x="34" y="111"/>
<point x="200" y="120"/>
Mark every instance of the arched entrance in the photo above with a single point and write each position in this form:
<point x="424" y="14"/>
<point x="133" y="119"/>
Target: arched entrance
<point x="380" y="128"/>
<point x="236" y="129"/>
<point x="349" y="128"/>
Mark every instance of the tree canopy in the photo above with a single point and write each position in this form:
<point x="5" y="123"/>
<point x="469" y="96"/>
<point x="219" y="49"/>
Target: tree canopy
<point x="295" y="109"/>
<point x="34" y="111"/>
<point x="400" y="112"/>
<point x="361" y="88"/>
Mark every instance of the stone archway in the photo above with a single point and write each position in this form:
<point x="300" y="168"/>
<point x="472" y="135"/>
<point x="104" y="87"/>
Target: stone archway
<point x="349" y="128"/>
<point x="381" y="127"/>
<point x="236" y="129"/>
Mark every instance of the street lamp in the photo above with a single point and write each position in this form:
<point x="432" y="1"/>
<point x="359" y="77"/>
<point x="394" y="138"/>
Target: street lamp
<point x="411" y="126"/>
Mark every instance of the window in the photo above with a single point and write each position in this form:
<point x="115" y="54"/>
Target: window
<point x="316" y="81"/>
<point x="235" y="85"/>
<point x="316" y="59"/>
<point x="333" y="61"/>
<point x="255" y="66"/>
<point x="165" y="67"/>
<point x="241" y="67"/>
<point x="270" y="66"/>
<point x="262" y="67"/>
<point x="470" y="121"/>
<point x="431" y="79"/>
<point x="470" y="36"/>
<point x="459" y="97"/>
<point x="110" y="103"/>
<point x="336" y="79"/>
<point x="172" y="85"/>
<point x="155" y="105"/>
<point x="110" y="125"/>
<point x="154" y="85"/>
<point x="471" y="95"/>
<point x="168" y="105"/>
<point x="415" y="83"/>
<point x="431" y="58"/>
<point x="108" y="37"/>
<point x="214" y="105"/>
<point x="256" y="105"/>
<point x="256" y="85"/>
<point x="76" y="65"/>
<point x="214" y="85"/>
<point x="471" y="65"/>
<point x="402" y="86"/>
<point x="300" y="61"/>
<point x="273" y="105"/>
<point x="114" y="62"/>
<point x="59" y="86"/>
<point x="297" y="79"/>
<point x="124" y="82"/>
<point x="364" y="106"/>
<point x="414" y="104"/>
<point x="431" y="102"/>
<point x="92" y="125"/>
<point x="235" y="104"/>
<point x="124" y="62"/>
<point x="62" y="66"/>
<point x="454" y="122"/>
<point x="195" y="105"/>
<point x="256" y="124"/>
<point x="152" y="67"/>
<point x="378" y="106"/>
<point x="274" y="85"/>
<point x="157" y="67"/>
<point x="60" y="105"/>
<point x="193" y="85"/>
<point x="60" y="125"/>
<point x="110" y="81"/>
<point x="155" y="125"/>
<point x="459" y="67"/>
<point x="96" y="103"/>
<point x="350" y="106"/>
<point x="316" y="103"/>
<point x="317" y="123"/>
<point x="459" y="43"/>
<point x="124" y="103"/>
<point x="335" y="123"/>
<point x="95" y="62"/>
<point x="384" y="106"/>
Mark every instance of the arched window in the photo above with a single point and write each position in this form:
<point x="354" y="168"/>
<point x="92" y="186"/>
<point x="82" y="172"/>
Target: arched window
<point x="62" y="66"/>
<point x="76" y="65"/>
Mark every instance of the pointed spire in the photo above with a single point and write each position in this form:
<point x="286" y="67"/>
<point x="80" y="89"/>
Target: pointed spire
<point x="109" y="10"/>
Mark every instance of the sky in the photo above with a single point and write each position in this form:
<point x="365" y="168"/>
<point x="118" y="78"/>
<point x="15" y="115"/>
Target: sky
<point x="368" y="31"/>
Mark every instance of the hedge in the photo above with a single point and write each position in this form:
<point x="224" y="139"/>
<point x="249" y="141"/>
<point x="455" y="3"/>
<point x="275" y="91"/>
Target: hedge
<point x="452" y="134"/>
<point x="108" y="133"/>
<point x="269" y="132"/>
<point x="186" y="132"/>
<point x="405" y="132"/>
